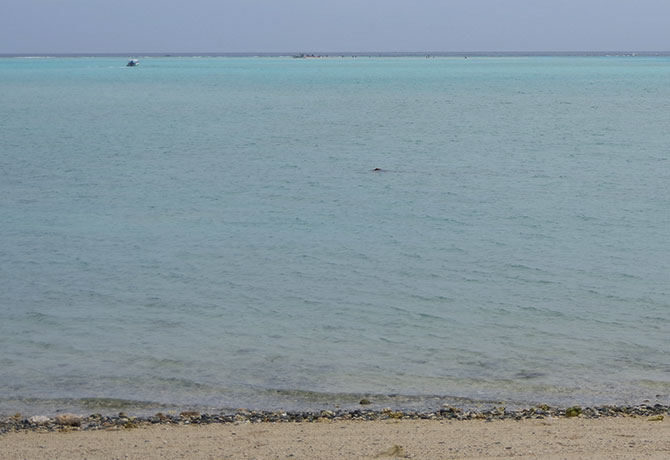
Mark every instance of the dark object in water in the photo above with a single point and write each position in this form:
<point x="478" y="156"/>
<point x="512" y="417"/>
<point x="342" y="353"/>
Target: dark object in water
<point x="378" y="170"/>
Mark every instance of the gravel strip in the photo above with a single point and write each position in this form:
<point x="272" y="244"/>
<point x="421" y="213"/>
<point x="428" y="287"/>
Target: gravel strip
<point x="72" y="422"/>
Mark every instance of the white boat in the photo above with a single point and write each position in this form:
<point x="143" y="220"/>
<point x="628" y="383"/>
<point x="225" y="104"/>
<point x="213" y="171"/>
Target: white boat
<point x="133" y="63"/>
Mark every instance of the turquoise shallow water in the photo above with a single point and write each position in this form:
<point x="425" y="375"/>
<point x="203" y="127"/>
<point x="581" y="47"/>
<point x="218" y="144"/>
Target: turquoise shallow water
<point x="209" y="233"/>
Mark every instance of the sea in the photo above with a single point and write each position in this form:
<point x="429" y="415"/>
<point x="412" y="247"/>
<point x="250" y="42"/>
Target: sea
<point x="272" y="233"/>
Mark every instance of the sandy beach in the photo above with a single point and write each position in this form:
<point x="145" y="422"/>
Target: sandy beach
<point x="568" y="438"/>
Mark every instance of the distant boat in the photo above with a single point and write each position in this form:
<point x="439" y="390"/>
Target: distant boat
<point x="133" y="63"/>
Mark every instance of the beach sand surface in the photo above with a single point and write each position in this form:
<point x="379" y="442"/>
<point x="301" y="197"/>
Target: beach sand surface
<point x="605" y="438"/>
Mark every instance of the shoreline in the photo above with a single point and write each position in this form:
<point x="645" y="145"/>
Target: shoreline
<point x="122" y="420"/>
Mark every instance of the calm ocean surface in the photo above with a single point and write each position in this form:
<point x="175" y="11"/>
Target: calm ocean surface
<point x="208" y="233"/>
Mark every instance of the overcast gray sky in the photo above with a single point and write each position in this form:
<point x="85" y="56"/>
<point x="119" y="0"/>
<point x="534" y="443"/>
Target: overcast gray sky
<point x="90" y="26"/>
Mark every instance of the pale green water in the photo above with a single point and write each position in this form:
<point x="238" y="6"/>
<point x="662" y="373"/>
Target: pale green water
<point x="209" y="233"/>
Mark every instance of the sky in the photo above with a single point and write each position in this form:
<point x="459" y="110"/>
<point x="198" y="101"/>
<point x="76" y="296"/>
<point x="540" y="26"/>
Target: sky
<point x="111" y="26"/>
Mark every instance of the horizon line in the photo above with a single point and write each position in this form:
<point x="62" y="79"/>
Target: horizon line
<point x="290" y="52"/>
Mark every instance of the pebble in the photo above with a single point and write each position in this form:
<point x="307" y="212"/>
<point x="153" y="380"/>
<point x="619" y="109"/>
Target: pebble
<point x="39" y="419"/>
<point x="68" y="420"/>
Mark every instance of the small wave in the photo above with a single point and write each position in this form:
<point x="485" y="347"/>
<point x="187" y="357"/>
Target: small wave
<point x="544" y="311"/>
<point x="29" y="405"/>
<point x="42" y="318"/>
<point x="379" y="400"/>
<point x="529" y="375"/>
<point x="525" y="267"/>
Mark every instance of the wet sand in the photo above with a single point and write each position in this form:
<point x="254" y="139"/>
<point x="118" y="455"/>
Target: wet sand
<point x="567" y="438"/>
